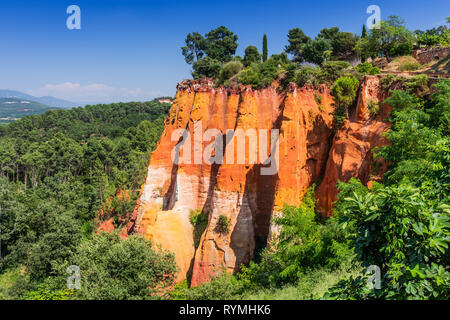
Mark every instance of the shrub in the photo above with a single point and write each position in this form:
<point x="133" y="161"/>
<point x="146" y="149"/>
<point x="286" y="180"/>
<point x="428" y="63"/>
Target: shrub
<point x="116" y="269"/>
<point x="249" y="76"/>
<point x="305" y="242"/>
<point x="222" y="287"/>
<point x="308" y="75"/>
<point x="333" y="70"/>
<point x="418" y="85"/>
<point x="409" y="66"/>
<point x="344" y="94"/>
<point x="387" y="81"/>
<point x="252" y="55"/>
<point x="199" y="221"/>
<point x="368" y="68"/>
<point x="373" y="106"/>
<point x="206" y="67"/>
<point x="228" y="71"/>
<point x="223" y="225"/>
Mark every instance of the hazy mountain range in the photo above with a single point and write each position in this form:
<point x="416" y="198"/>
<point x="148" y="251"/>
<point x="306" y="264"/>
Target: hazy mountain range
<point x="48" y="101"/>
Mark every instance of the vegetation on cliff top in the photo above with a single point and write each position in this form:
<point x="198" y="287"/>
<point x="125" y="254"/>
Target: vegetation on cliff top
<point x="213" y="55"/>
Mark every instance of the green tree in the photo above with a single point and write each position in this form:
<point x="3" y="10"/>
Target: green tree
<point x="195" y="47"/>
<point x="115" y="269"/>
<point x="265" y="50"/>
<point x="314" y="51"/>
<point x="206" y="67"/>
<point x="343" y="43"/>
<point x="344" y="95"/>
<point x="364" y="32"/>
<point x="251" y="56"/>
<point x="297" y="40"/>
<point x="228" y="71"/>
<point x="221" y="44"/>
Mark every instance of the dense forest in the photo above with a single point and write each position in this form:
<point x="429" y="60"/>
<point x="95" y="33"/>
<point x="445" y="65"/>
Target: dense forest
<point x="57" y="172"/>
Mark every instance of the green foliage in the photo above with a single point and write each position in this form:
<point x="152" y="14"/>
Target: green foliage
<point x="391" y="39"/>
<point x="44" y="292"/>
<point x="251" y="56"/>
<point x="304" y="244"/>
<point x="115" y="269"/>
<point x="57" y="170"/>
<point x="367" y="68"/>
<point x="344" y="94"/>
<point x="433" y="37"/>
<point x="223" y="225"/>
<point x="333" y="70"/>
<point x="409" y="66"/>
<point x="265" y="53"/>
<point x="220" y="44"/>
<point x="206" y="67"/>
<point x="396" y="229"/>
<point x="404" y="227"/>
<point x="195" y="47"/>
<point x="228" y="71"/>
<point x="308" y="75"/>
<point x="373" y="106"/>
<point x="297" y="40"/>
<point x="222" y="287"/>
<point x="263" y="74"/>
<point x="342" y="43"/>
<point x="314" y="51"/>
<point x="250" y="76"/>
<point x="199" y="221"/>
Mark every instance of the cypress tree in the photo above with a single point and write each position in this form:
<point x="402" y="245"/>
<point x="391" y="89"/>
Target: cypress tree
<point x="265" y="52"/>
<point x="364" y="32"/>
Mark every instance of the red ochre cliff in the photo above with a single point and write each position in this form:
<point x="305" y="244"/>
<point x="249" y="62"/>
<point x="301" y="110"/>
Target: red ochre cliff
<point x="308" y="152"/>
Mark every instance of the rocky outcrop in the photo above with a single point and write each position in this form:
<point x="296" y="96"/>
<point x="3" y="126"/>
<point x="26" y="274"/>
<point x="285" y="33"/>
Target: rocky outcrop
<point x="351" y="154"/>
<point x="247" y="194"/>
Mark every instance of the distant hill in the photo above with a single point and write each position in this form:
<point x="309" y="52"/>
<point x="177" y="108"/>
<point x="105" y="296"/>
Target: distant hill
<point x="13" y="108"/>
<point x="48" y="101"/>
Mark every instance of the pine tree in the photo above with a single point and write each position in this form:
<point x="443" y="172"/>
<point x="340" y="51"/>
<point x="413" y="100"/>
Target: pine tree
<point x="265" y="52"/>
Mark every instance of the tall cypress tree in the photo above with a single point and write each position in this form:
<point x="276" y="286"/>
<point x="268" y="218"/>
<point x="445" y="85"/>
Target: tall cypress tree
<point x="364" y="32"/>
<point x="265" y="51"/>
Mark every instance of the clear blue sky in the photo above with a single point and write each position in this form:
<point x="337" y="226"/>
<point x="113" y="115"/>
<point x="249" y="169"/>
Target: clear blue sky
<point x="130" y="50"/>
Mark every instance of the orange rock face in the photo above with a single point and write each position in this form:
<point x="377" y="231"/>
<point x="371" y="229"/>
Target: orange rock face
<point x="351" y="154"/>
<point x="243" y="191"/>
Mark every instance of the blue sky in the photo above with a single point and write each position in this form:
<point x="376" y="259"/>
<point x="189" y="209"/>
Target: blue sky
<point x="130" y="50"/>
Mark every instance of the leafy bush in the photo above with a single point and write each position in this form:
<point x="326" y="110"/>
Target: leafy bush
<point x="250" y="76"/>
<point x="344" y="94"/>
<point x="333" y="70"/>
<point x="368" y="68"/>
<point x="115" y="269"/>
<point x="228" y="71"/>
<point x="409" y="66"/>
<point x="308" y="75"/>
<point x="222" y="287"/>
<point x="252" y="55"/>
<point x="374" y="106"/>
<point x="223" y="225"/>
<point x="206" y="67"/>
<point x="396" y="229"/>
<point x="305" y="242"/>
<point x="314" y="51"/>
<point x="199" y="221"/>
